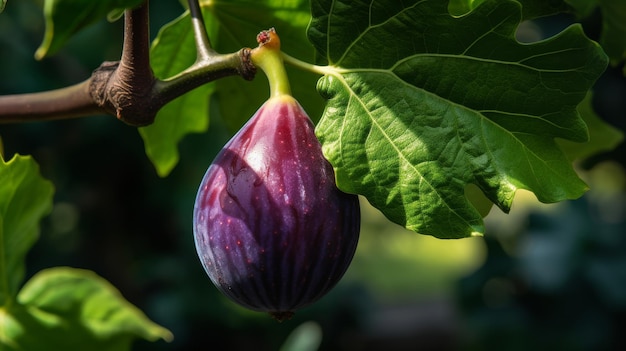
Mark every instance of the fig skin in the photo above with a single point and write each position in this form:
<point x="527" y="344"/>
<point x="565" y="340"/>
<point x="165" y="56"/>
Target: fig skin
<point x="271" y="228"/>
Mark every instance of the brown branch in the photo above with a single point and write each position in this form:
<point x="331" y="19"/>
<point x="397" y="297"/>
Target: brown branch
<point x="127" y="93"/>
<point x="70" y="102"/>
<point x="128" y="89"/>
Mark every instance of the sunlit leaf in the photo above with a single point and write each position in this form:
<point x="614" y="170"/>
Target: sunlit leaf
<point x="25" y="197"/>
<point x="73" y="309"/>
<point x="66" y="17"/>
<point x="421" y="103"/>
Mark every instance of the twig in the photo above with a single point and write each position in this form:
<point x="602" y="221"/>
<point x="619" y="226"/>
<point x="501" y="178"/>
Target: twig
<point x="127" y="93"/>
<point x="203" y="44"/>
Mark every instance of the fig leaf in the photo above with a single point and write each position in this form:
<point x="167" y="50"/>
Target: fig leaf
<point x="66" y="17"/>
<point x="25" y="198"/>
<point x="173" y="51"/>
<point x="602" y="136"/>
<point x="530" y="8"/>
<point x="73" y="309"/>
<point x="613" y="25"/>
<point x="422" y="103"/>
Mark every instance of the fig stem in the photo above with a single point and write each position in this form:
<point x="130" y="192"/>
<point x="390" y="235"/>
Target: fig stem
<point x="323" y="70"/>
<point x="268" y="57"/>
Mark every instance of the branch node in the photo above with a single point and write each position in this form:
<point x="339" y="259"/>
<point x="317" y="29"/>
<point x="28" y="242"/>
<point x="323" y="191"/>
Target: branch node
<point x="110" y="90"/>
<point x="247" y="69"/>
<point x="99" y="83"/>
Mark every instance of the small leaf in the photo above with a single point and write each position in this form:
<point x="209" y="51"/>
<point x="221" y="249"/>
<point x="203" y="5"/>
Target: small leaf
<point x="421" y="104"/>
<point x="173" y="51"/>
<point x="66" y="17"/>
<point x="602" y="136"/>
<point x="73" y="309"/>
<point x="25" y="198"/>
<point x="613" y="35"/>
<point x="185" y="114"/>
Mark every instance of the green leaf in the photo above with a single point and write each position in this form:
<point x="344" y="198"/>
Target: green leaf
<point x="173" y="51"/>
<point x="602" y="136"/>
<point x="583" y="8"/>
<point x="186" y="114"/>
<point x="25" y="198"/>
<point x="73" y="309"/>
<point x="613" y="35"/>
<point x="66" y="17"/>
<point x="421" y="103"/>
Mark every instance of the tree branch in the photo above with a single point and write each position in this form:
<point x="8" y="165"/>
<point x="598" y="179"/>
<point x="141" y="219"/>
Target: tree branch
<point x="127" y="93"/>
<point x="70" y="102"/>
<point x="127" y="89"/>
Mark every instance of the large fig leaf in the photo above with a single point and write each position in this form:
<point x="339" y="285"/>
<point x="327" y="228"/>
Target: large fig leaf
<point x="66" y="17"/>
<point x="421" y="104"/>
<point x="25" y="197"/>
<point x="65" y="308"/>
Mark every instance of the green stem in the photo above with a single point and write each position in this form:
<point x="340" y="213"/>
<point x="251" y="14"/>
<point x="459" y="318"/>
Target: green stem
<point x="323" y="70"/>
<point x="268" y="57"/>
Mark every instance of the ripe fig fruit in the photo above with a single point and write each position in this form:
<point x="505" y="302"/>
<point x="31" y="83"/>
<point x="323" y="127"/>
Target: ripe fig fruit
<point x="271" y="228"/>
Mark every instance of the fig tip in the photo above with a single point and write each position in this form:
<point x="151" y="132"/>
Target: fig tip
<point x="281" y="316"/>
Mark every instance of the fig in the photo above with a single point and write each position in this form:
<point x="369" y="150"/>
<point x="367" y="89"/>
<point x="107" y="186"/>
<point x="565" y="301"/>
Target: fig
<point x="271" y="228"/>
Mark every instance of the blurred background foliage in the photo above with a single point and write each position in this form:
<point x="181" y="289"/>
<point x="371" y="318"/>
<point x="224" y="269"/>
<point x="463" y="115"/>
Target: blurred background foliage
<point x="546" y="277"/>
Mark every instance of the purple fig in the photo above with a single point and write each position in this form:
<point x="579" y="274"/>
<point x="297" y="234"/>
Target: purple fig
<point x="271" y="228"/>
